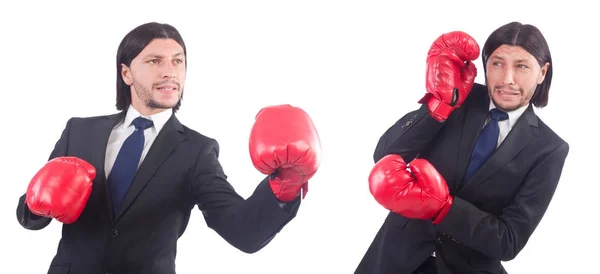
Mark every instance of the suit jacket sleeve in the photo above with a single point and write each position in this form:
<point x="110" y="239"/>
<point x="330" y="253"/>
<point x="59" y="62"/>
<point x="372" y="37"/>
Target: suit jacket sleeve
<point x="502" y="237"/>
<point x="409" y="136"/>
<point x="247" y="224"/>
<point x="27" y="219"/>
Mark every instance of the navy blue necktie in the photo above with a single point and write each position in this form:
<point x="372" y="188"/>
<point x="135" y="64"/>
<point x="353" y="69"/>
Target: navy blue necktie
<point x="127" y="162"/>
<point x="486" y="143"/>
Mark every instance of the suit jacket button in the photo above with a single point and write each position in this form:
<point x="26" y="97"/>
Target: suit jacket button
<point x="114" y="233"/>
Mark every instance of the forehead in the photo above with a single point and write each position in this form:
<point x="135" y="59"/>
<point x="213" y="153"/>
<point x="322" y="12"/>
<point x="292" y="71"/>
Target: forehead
<point x="162" y="48"/>
<point x="512" y="53"/>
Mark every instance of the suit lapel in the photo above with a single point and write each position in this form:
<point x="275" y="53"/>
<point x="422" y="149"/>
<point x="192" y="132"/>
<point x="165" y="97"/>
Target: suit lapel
<point x="101" y="132"/>
<point x="520" y="135"/>
<point x="474" y="119"/>
<point x="166" y="141"/>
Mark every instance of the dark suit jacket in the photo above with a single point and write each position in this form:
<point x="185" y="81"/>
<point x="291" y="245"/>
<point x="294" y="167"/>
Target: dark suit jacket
<point x="493" y="214"/>
<point x="181" y="171"/>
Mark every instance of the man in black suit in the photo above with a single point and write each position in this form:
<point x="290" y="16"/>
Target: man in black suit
<point x="124" y="185"/>
<point x="469" y="175"/>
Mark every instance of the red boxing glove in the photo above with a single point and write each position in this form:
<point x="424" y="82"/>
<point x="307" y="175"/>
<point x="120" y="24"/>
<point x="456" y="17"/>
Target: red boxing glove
<point x="418" y="193"/>
<point x="284" y="143"/>
<point x="61" y="188"/>
<point x="450" y="73"/>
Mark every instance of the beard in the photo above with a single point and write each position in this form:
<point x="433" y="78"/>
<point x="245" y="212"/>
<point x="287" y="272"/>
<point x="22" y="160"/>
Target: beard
<point x="508" y="108"/>
<point x="146" y="95"/>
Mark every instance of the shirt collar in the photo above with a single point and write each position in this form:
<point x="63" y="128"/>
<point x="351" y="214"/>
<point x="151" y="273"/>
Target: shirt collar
<point x="513" y="115"/>
<point x="158" y="119"/>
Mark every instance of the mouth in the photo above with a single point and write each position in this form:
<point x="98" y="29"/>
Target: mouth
<point x="506" y="92"/>
<point x="167" y="88"/>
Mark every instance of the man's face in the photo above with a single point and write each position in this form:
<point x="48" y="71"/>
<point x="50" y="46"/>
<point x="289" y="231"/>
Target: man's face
<point x="512" y="77"/>
<point x="156" y="76"/>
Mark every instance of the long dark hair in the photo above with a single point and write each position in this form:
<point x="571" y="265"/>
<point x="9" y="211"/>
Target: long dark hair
<point x="132" y="44"/>
<point x="530" y="39"/>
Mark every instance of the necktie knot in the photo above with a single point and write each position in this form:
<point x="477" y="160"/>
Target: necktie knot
<point x="142" y="123"/>
<point x="498" y="115"/>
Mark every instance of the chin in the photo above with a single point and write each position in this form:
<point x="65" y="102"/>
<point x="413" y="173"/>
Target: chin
<point x="506" y="106"/>
<point x="168" y="100"/>
<point x="169" y="105"/>
<point x="505" y="103"/>
<point x="163" y="104"/>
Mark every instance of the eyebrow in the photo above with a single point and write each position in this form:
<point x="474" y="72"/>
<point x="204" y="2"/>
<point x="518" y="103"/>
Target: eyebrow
<point x="522" y="60"/>
<point x="153" y="55"/>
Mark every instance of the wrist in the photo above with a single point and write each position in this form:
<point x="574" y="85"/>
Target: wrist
<point x="439" y="109"/>
<point x="444" y="211"/>
<point x="287" y="192"/>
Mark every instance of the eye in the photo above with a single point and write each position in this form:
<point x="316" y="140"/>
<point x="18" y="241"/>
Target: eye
<point x="153" y="61"/>
<point x="521" y="66"/>
<point x="179" y="61"/>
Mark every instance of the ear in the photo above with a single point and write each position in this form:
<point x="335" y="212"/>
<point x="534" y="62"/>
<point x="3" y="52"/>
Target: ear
<point x="543" y="73"/>
<point x="126" y="74"/>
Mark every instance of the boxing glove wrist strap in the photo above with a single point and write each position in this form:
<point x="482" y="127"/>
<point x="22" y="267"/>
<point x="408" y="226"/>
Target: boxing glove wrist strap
<point x="439" y="110"/>
<point x="444" y="211"/>
<point x="287" y="192"/>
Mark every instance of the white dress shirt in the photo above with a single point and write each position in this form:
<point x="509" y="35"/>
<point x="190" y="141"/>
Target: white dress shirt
<point x="122" y="130"/>
<point x="506" y="125"/>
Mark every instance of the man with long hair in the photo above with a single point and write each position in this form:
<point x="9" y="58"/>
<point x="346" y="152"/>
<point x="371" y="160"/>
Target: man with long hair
<point x="469" y="175"/>
<point x="123" y="185"/>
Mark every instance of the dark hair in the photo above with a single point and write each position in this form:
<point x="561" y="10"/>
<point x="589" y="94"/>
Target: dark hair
<point x="132" y="44"/>
<point x="530" y="39"/>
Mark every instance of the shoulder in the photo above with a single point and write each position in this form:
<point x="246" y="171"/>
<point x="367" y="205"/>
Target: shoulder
<point x="205" y="142"/>
<point x="548" y="148"/>
<point x="478" y="92"/>
<point x="548" y="136"/>
<point x="78" y="121"/>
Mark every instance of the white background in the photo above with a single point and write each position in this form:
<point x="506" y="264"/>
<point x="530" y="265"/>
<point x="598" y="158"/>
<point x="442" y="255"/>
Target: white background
<point x="354" y="66"/>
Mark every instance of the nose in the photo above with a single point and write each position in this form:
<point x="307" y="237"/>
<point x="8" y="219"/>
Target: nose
<point x="168" y="70"/>
<point x="508" y="77"/>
